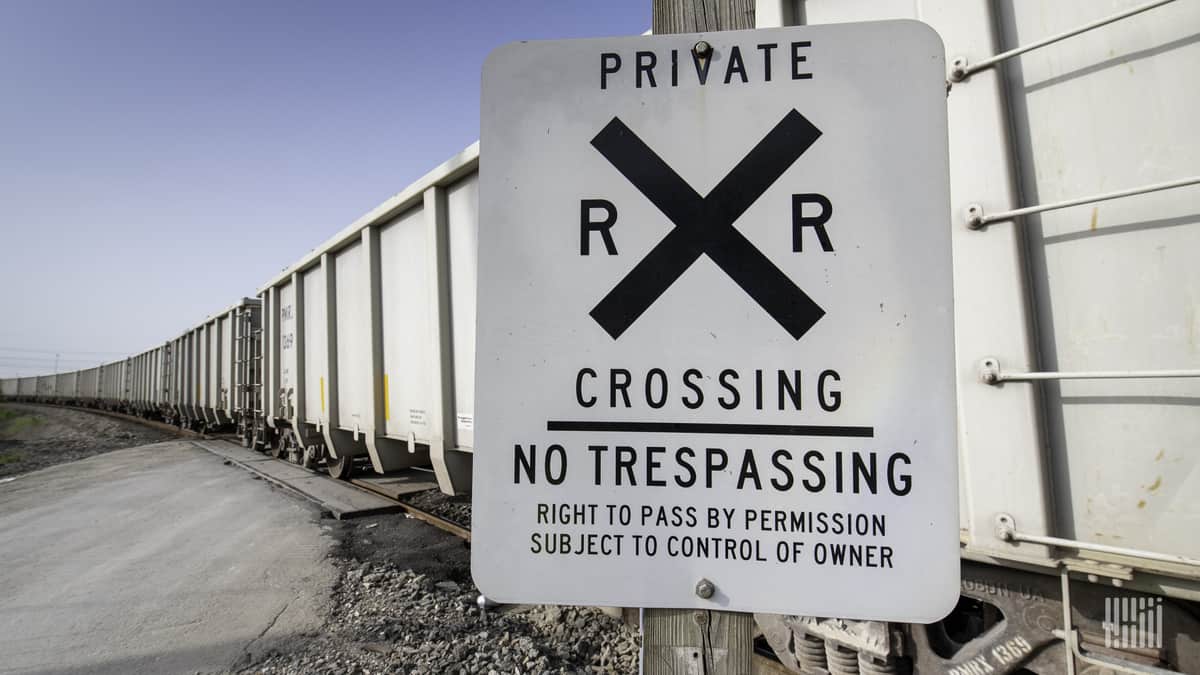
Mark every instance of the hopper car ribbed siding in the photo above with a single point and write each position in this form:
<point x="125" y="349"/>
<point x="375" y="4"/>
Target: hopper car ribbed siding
<point x="64" y="387"/>
<point x="44" y="388"/>
<point x="363" y="349"/>
<point x="197" y="380"/>
<point x="1074" y="482"/>
<point x="369" y="340"/>
<point x="26" y="388"/>
<point x="87" y="393"/>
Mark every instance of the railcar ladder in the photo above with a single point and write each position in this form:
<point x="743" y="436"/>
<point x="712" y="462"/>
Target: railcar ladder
<point x="167" y="359"/>
<point x="249" y="368"/>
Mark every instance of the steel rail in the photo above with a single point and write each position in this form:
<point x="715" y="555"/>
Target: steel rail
<point x="133" y="419"/>
<point x="961" y="69"/>
<point x="976" y="218"/>
<point x="444" y="524"/>
<point x="439" y="522"/>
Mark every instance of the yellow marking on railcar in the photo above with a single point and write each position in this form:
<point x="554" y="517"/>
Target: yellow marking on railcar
<point x="322" y="394"/>
<point x="387" y="400"/>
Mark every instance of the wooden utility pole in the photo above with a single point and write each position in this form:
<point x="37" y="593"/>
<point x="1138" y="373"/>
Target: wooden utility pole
<point x="696" y="641"/>
<point x="701" y="16"/>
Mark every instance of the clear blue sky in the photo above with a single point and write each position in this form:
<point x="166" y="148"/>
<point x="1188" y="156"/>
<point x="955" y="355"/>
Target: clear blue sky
<point x="159" y="159"/>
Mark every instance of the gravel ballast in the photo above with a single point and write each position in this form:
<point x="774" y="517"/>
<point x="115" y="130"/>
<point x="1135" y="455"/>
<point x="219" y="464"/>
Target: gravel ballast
<point x="405" y="604"/>
<point x="455" y="509"/>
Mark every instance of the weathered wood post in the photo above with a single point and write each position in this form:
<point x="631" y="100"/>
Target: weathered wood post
<point x="703" y="642"/>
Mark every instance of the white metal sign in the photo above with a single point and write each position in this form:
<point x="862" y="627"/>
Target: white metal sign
<point x="715" y="357"/>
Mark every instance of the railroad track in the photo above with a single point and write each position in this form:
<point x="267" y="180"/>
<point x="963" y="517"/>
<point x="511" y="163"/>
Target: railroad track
<point x="398" y="488"/>
<point x="133" y="419"/>
<point x="440" y="522"/>
<point x="763" y="660"/>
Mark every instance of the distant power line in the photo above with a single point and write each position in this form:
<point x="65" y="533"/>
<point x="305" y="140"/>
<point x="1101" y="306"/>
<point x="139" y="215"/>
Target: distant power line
<point x="49" y="357"/>
<point x="59" y="351"/>
<point x="34" y="361"/>
<point x="61" y="359"/>
<point x="50" y="361"/>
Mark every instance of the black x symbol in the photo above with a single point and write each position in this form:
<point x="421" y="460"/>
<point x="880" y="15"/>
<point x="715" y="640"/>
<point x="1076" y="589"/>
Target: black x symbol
<point x="704" y="225"/>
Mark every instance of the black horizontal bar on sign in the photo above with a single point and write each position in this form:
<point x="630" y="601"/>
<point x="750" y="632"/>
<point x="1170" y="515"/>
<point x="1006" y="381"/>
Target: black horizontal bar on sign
<point x="714" y="428"/>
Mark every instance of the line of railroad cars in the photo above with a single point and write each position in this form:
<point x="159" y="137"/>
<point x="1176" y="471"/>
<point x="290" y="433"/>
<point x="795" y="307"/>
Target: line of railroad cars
<point x="188" y="380"/>
<point x="1078" y="463"/>
<point x="363" y="350"/>
<point x="369" y="340"/>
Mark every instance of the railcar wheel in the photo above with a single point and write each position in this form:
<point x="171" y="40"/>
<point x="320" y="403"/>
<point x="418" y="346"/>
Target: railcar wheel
<point x="341" y="468"/>
<point x="279" y="448"/>
<point x="310" y="456"/>
<point x="291" y="443"/>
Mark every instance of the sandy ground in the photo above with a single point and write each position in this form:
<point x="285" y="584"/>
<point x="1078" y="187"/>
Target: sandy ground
<point x="36" y="436"/>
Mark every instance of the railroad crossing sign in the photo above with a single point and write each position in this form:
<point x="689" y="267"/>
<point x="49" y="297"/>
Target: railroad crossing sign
<point x="715" y="348"/>
<point x="704" y="225"/>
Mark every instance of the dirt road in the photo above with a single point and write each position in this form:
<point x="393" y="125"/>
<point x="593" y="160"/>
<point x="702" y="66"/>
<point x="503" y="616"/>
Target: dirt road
<point x="155" y="559"/>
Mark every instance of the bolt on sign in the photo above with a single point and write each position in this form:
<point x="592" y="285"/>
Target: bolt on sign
<point x="715" y="348"/>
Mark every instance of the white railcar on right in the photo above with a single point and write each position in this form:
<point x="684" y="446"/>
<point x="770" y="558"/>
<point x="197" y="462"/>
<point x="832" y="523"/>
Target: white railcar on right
<point x="1075" y="188"/>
